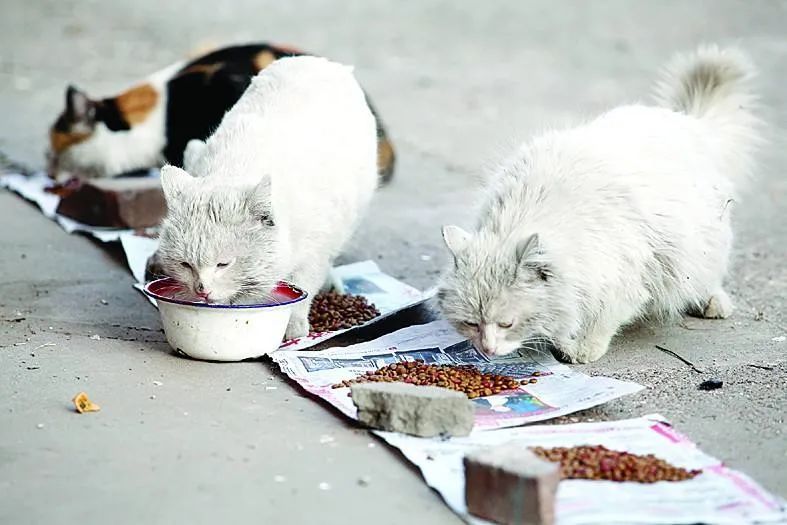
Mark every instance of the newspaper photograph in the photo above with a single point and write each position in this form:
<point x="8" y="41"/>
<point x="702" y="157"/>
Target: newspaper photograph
<point x="718" y="495"/>
<point x="559" y="390"/>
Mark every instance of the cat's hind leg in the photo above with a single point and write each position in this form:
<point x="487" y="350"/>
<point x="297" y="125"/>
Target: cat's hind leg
<point x="719" y="306"/>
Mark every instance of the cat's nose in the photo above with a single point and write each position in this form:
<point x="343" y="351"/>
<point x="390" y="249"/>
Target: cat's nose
<point x="200" y="288"/>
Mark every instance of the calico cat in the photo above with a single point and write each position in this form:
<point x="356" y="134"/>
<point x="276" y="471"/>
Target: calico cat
<point x="276" y="191"/>
<point x="587" y="229"/>
<point x="151" y="123"/>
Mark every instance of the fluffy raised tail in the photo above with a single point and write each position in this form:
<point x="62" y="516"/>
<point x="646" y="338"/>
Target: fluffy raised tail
<point x="715" y="85"/>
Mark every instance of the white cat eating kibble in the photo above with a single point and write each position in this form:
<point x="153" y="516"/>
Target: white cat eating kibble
<point x="585" y="230"/>
<point x="276" y="191"/>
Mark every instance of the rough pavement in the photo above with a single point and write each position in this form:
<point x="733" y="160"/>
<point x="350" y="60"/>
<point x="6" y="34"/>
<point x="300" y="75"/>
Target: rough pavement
<point x="458" y="83"/>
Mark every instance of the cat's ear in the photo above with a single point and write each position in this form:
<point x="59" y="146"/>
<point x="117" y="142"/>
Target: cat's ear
<point x="455" y="239"/>
<point x="260" y="203"/>
<point x="193" y="151"/>
<point x="174" y="181"/>
<point x="529" y="258"/>
<point x="79" y="106"/>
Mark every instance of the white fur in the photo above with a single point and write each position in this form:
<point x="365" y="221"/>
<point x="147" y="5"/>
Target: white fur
<point x="277" y="190"/>
<point x="110" y="153"/>
<point x="587" y="229"/>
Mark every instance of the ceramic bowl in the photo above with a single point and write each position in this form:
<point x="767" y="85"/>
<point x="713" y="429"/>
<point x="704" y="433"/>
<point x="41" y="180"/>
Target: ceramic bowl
<point x="219" y="332"/>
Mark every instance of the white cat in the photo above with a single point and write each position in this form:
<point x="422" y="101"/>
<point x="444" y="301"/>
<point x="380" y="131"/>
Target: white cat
<point x="276" y="191"/>
<point x="587" y="229"/>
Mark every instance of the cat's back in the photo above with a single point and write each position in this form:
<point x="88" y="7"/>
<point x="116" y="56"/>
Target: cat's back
<point x="291" y="84"/>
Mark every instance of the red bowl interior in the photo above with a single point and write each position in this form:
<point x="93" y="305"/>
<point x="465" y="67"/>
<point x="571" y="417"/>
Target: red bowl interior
<point x="167" y="289"/>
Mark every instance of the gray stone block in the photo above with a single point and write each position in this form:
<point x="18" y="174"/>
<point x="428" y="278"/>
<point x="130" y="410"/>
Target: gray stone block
<point x="424" y="411"/>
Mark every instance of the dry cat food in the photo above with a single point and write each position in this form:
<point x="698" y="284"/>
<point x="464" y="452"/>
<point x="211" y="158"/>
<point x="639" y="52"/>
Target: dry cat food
<point x="333" y="311"/>
<point x="600" y="463"/>
<point x="462" y="378"/>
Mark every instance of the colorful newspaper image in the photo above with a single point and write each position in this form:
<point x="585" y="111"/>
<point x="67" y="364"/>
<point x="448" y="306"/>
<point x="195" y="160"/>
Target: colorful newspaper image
<point x="718" y="495"/>
<point x="559" y="390"/>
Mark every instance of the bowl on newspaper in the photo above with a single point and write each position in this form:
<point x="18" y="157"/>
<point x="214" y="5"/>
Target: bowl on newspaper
<point x="223" y="332"/>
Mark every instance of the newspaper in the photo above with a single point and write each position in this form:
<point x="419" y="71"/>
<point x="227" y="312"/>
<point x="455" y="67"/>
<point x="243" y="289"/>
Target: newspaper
<point x="559" y="390"/>
<point x="717" y="496"/>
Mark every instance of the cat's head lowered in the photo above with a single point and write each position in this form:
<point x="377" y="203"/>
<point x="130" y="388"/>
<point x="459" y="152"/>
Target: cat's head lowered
<point x="219" y="241"/>
<point x="496" y="294"/>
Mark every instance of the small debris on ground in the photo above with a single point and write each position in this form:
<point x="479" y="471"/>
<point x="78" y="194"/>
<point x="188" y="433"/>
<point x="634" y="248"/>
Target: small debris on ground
<point x="711" y="384"/>
<point x="364" y="481"/>
<point x="325" y="438"/>
<point x="40" y="425"/>
<point x="680" y="358"/>
<point x="83" y="404"/>
<point x="779" y="339"/>
<point x="325" y="486"/>
<point x="279" y="479"/>
<point x="95" y="337"/>
<point x="104" y="302"/>
<point x="157" y="383"/>
<point x="270" y="388"/>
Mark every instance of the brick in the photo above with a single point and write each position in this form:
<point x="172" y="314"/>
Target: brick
<point x="128" y="202"/>
<point x="424" y="411"/>
<point x="509" y="484"/>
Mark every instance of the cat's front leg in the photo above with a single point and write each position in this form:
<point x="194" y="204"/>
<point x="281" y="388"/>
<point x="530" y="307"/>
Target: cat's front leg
<point x="310" y="278"/>
<point x="588" y="347"/>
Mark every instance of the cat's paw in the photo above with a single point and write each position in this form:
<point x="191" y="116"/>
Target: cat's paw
<point x="579" y="352"/>
<point x="297" y="328"/>
<point x="719" y="306"/>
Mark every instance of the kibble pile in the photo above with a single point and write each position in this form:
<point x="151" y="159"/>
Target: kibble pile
<point x="333" y="311"/>
<point x="600" y="463"/>
<point x="463" y="378"/>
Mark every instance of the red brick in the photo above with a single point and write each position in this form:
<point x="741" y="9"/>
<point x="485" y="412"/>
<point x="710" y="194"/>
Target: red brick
<point x="508" y="484"/>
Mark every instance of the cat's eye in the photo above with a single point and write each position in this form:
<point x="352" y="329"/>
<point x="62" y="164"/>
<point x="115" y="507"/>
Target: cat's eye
<point x="505" y="325"/>
<point x="222" y="265"/>
<point x="471" y="324"/>
<point x="186" y="265"/>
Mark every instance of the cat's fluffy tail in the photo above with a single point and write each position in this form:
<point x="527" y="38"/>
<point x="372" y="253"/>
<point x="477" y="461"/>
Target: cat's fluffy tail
<point x="715" y="85"/>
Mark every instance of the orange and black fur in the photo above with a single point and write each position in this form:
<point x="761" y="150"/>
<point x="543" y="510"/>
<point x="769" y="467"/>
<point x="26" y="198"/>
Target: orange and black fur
<point x="151" y="123"/>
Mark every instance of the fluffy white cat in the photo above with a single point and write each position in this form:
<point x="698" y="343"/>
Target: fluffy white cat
<point x="626" y="217"/>
<point x="276" y="191"/>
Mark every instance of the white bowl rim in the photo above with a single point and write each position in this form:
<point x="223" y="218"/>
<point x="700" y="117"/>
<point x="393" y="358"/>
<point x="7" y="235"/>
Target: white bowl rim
<point x="301" y="296"/>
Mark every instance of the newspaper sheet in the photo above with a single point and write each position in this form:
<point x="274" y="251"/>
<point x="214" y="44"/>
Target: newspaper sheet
<point x="559" y="390"/>
<point x="718" y="495"/>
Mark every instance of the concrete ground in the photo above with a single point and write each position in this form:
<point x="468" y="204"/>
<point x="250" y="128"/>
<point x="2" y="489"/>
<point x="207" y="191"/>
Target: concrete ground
<point x="457" y="83"/>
